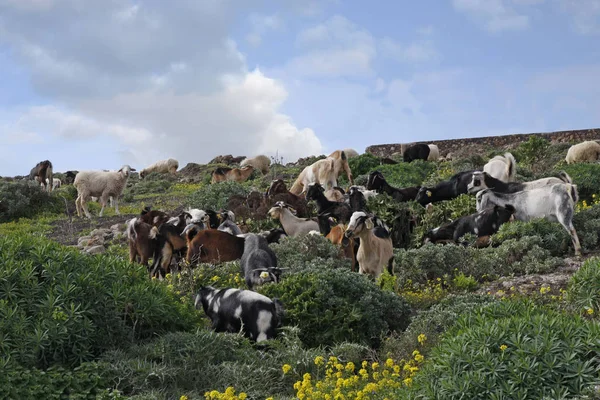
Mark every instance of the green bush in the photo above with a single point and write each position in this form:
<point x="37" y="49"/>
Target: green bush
<point x="531" y="152"/>
<point x="406" y="174"/>
<point x="523" y="256"/>
<point x="363" y="164"/>
<point x="215" y="196"/>
<point x="59" y="306"/>
<point x="554" y="236"/>
<point x="152" y="184"/>
<point x="584" y="287"/>
<point x="84" y="382"/>
<point x="432" y="323"/>
<point x="26" y="199"/>
<point x="332" y="306"/>
<point x="587" y="178"/>
<point x="587" y="225"/>
<point x="297" y="254"/>
<point x="512" y="350"/>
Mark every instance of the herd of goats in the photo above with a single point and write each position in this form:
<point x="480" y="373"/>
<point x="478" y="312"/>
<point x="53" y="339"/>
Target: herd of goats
<point x="207" y="236"/>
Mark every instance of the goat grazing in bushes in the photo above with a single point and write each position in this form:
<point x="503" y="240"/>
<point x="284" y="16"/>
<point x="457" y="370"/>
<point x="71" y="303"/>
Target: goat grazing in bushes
<point x="325" y="172"/>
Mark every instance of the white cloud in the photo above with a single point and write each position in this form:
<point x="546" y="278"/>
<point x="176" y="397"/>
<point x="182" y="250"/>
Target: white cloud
<point x="494" y="15"/>
<point x="585" y="14"/>
<point x="260" y="25"/>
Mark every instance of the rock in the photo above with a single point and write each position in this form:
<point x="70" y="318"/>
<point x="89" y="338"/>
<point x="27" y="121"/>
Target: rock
<point x="103" y="232"/>
<point x="95" y="249"/>
<point x="82" y="241"/>
<point x="117" y="227"/>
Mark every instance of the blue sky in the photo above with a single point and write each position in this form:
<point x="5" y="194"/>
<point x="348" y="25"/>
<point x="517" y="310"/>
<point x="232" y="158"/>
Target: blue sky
<point x="97" y="84"/>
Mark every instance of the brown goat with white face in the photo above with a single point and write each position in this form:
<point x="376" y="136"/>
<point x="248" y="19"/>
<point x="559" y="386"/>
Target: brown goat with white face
<point x="240" y="175"/>
<point x="41" y="172"/>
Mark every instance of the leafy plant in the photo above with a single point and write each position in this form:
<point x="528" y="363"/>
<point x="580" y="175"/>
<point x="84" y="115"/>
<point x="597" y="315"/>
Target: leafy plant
<point x="532" y="151"/>
<point x="215" y="196"/>
<point x="331" y="306"/>
<point x="584" y="287"/>
<point x="553" y="235"/>
<point x="26" y="199"/>
<point x="587" y="178"/>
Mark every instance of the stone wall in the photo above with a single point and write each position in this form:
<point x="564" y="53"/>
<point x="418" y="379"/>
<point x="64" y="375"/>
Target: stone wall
<point x="461" y="146"/>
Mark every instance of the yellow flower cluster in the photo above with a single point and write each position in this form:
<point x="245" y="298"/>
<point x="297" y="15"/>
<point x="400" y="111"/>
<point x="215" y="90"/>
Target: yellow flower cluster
<point x="343" y="381"/>
<point x="545" y="289"/>
<point x="589" y="310"/>
<point x="503" y="347"/>
<point x="423" y="295"/>
<point x="228" y="394"/>
<point x="584" y="205"/>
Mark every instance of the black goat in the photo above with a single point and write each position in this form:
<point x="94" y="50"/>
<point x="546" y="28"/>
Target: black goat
<point x="416" y="152"/>
<point x="447" y="190"/>
<point x="339" y="210"/>
<point x="378" y="183"/>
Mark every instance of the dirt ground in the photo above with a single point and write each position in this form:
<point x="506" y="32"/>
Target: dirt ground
<point x="67" y="231"/>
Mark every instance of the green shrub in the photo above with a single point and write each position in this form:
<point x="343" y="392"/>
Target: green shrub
<point x="84" y="382"/>
<point x="523" y="256"/>
<point x="432" y="323"/>
<point x="406" y="174"/>
<point x="584" y="287"/>
<point x="587" y="178"/>
<point x="513" y="350"/>
<point x="297" y="254"/>
<point x="531" y="152"/>
<point x="474" y="162"/>
<point x="26" y="199"/>
<point x="154" y="183"/>
<point x="215" y="196"/>
<point x="363" y="164"/>
<point x="62" y="307"/>
<point x="587" y="225"/>
<point x="554" y="236"/>
<point x="332" y="306"/>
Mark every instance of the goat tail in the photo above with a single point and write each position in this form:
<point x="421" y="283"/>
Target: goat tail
<point x="565" y="177"/>
<point x="279" y="311"/>
<point x="573" y="193"/>
<point x="511" y="166"/>
<point x="131" y="232"/>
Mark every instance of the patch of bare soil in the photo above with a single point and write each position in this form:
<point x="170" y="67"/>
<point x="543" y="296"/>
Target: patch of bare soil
<point x="67" y="231"/>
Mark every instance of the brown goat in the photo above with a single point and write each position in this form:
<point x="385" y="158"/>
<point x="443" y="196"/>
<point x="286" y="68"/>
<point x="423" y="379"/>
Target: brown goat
<point x="142" y="241"/>
<point x="336" y="236"/>
<point x="154" y="217"/>
<point x="41" y="172"/>
<point x="211" y="246"/>
<point x="278" y="192"/>
<point x="240" y="175"/>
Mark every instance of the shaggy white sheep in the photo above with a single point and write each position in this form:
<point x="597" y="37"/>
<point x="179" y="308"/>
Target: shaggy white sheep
<point x="261" y="163"/>
<point x="434" y="153"/>
<point x="584" y="151"/>
<point x="162" y="167"/>
<point x="502" y="168"/>
<point x="100" y="184"/>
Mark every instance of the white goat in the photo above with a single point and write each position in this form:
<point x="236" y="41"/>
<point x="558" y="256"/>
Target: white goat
<point x="261" y="163"/>
<point x="162" y="167"/>
<point x="584" y="151"/>
<point x="292" y="225"/>
<point x="375" y="250"/>
<point x="554" y="203"/>
<point x="100" y="184"/>
<point x="434" y="153"/>
<point x="502" y="167"/>
<point x="56" y="183"/>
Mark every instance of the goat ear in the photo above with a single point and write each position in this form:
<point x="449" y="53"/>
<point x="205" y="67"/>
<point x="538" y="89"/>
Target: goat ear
<point x="369" y="223"/>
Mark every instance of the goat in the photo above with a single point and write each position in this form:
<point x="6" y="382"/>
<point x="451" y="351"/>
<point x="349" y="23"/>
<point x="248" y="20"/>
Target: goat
<point x="212" y="246"/>
<point x="483" y="180"/>
<point x="170" y="241"/>
<point x="223" y="174"/>
<point x="378" y="183"/>
<point x="278" y="192"/>
<point x="292" y="225"/>
<point x="100" y="184"/>
<point x="41" y="172"/>
<point x="447" y="190"/>
<point x="56" y="183"/>
<point x="154" y="217"/>
<point x="209" y="217"/>
<point x="434" y="153"/>
<point x="227" y="223"/>
<point x="554" y="203"/>
<point x="582" y="152"/>
<point x="233" y="310"/>
<point x="336" y="236"/>
<point x="162" y="167"/>
<point x="375" y="249"/>
<point x="142" y="241"/>
<point x="502" y="167"/>
<point x="259" y="262"/>
<point x="340" y="211"/>
<point x="274" y="235"/>
<point x="416" y="152"/>
<point x="325" y="172"/>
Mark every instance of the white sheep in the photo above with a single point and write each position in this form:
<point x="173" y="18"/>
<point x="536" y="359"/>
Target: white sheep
<point x="434" y="153"/>
<point x="584" y="151"/>
<point x="502" y="168"/>
<point x="261" y="163"/>
<point x="100" y="184"/>
<point x="162" y="167"/>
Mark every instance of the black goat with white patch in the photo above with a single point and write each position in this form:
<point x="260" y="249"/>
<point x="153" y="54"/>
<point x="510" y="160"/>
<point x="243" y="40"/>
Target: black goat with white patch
<point x="232" y="310"/>
<point x="483" y="180"/>
<point x="416" y="152"/>
<point x="447" y="190"/>
<point x="259" y="262"/>
<point x="378" y="183"/>
<point x="228" y="223"/>
<point x="339" y="210"/>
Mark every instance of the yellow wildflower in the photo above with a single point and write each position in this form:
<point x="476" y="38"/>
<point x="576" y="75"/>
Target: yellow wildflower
<point x="286" y="368"/>
<point x="319" y="360"/>
<point x="421" y="338"/>
<point x="503" y="347"/>
<point x="183" y="397"/>
<point x="407" y="381"/>
<point x="419" y="358"/>
<point x="242" y="396"/>
<point x="375" y="365"/>
<point x="350" y="367"/>
<point x="589" y="310"/>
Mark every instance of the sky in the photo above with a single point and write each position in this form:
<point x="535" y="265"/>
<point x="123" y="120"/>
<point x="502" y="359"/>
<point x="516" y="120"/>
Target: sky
<point x="95" y="84"/>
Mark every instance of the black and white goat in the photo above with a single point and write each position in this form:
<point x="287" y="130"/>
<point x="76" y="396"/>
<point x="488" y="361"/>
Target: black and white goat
<point x="377" y="182"/>
<point x="228" y="223"/>
<point x="447" y="190"/>
<point x="259" y="262"/>
<point x="483" y="180"/>
<point x="338" y="210"/>
<point x="231" y="310"/>
<point x="554" y="203"/>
